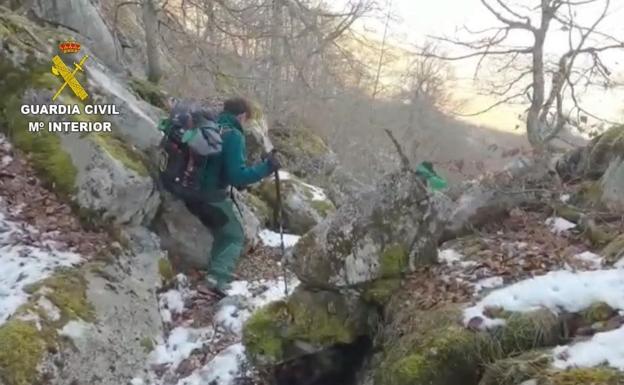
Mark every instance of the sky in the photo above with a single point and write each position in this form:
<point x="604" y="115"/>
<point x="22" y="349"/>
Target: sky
<point x="414" y="20"/>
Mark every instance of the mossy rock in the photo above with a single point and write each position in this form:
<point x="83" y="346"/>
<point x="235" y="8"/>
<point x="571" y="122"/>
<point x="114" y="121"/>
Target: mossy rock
<point x="23" y="347"/>
<point x="536" y="366"/>
<point x="259" y="207"/>
<point x="433" y="347"/>
<point x="318" y="319"/>
<point x="149" y="92"/>
<point x="598" y="312"/>
<point x="614" y="251"/>
<point x="67" y="290"/>
<point x="165" y="269"/>
<point x="131" y="158"/>
<point x="380" y="291"/>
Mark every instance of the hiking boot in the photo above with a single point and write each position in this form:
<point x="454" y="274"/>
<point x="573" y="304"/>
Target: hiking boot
<point x="210" y="289"/>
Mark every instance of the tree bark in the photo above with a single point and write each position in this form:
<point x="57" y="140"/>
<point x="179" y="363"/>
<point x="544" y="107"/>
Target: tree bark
<point x="150" y="19"/>
<point x="277" y="30"/>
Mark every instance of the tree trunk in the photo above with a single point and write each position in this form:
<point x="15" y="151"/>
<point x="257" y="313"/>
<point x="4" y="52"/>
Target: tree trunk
<point x="150" y="20"/>
<point x="277" y="30"/>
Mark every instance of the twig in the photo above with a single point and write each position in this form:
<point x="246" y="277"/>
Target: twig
<point x="405" y="163"/>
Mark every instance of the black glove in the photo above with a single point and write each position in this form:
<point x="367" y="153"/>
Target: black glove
<point x="273" y="161"/>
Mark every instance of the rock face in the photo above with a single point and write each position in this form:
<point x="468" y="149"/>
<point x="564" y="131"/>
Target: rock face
<point x="306" y="323"/>
<point x="113" y="349"/>
<point x="84" y="17"/>
<point x="182" y="234"/>
<point x="593" y="160"/>
<point x="380" y="235"/>
<point x="101" y="172"/>
<point x="612" y="184"/>
<point x="304" y="205"/>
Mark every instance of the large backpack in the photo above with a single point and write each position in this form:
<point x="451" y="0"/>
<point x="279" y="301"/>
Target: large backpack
<point x="191" y="138"/>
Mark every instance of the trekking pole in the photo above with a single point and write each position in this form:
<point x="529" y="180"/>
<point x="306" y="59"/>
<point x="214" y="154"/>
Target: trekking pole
<point x="280" y="216"/>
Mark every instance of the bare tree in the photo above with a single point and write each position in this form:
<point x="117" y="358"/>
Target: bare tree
<point x="150" y="21"/>
<point x="529" y="72"/>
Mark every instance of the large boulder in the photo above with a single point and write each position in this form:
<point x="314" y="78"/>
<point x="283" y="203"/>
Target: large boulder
<point x="593" y="160"/>
<point x="182" y="234"/>
<point x="305" y="154"/>
<point x="305" y="323"/>
<point x="612" y="185"/>
<point x="381" y="235"/>
<point x="304" y="205"/>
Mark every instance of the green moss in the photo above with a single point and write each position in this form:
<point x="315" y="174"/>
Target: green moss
<point x="149" y="92"/>
<point x="147" y="343"/>
<point x="380" y="291"/>
<point x="614" y="251"/>
<point x="22" y="350"/>
<point x="166" y="270"/>
<point x="262" y="334"/>
<point x="526" y="331"/>
<point x="598" y="312"/>
<point x="67" y="289"/>
<point x="587" y="376"/>
<point x="321" y="319"/>
<point x="323" y="207"/>
<point x="260" y="208"/>
<point x="590" y="193"/>
<point x="319" y="326"/>
<point x="120" y="150"/>
<point x="393" y="261"/>
<point x="448" y="356"/>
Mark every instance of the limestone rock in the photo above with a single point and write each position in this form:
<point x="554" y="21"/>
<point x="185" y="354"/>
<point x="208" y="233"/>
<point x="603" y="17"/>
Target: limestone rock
<point x="304" y="205"/>
<point x="182" y="234"/>
<point x="612" y="184"/>
<point x="305" y="154"/>
<point x="593" y="160"/>
<point x="379" y="235"/>
<point x="305" y="323"/>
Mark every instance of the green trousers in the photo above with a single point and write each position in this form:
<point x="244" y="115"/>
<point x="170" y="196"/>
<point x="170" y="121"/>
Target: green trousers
<point x="229" y="241"/>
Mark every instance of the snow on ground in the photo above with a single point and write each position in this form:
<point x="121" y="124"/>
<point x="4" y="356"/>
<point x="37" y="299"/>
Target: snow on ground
<point x="559" y="225"/>
<point x="602" y="348"/>
<point x="449" y="256"/>
<point x="22" y="265"/>
<point x="594" y="260"/>
<point x="223" y="369"/>
<point x="243" y="298"/>
<point x="565" y="291"/>
<point x="488" y="283"/>
<point x="318" y="194"/>
<point x="557" y="290"/>
<point x="75" y="329"/>
<point x="272" y="239"/>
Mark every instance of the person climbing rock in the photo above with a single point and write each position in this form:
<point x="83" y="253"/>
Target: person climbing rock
<point x="224" y="168"/>
<point x="229" y="171"/>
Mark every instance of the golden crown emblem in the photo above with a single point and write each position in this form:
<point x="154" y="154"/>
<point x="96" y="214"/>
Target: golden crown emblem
<point x="69" y="47"/>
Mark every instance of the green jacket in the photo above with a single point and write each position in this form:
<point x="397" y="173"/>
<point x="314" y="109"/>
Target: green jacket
<point x="230" y="168"/>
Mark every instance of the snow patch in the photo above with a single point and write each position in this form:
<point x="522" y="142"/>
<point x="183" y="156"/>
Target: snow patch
<point x="272" y="239"/>
<point x="5" y="161"/>
<point x="223" y="369"/>
<point x="450" y="256"/>
<point x="488" y="283"/>
<point x="557" y="291"/>
<point x="180" y="344"/>
<point x="592" y="259"/>
<point x="559" y="225"/>
<point x="53" y="313"/>
<point x="23" y="265"/>
<point x="565" y="198"/>
<point x="603" y="348"/>
<point x="74" y="329"/>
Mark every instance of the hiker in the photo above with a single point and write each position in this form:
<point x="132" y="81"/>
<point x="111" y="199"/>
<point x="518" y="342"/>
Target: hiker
<point x="428" y="175"/>
<point x="224" y="169"/>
